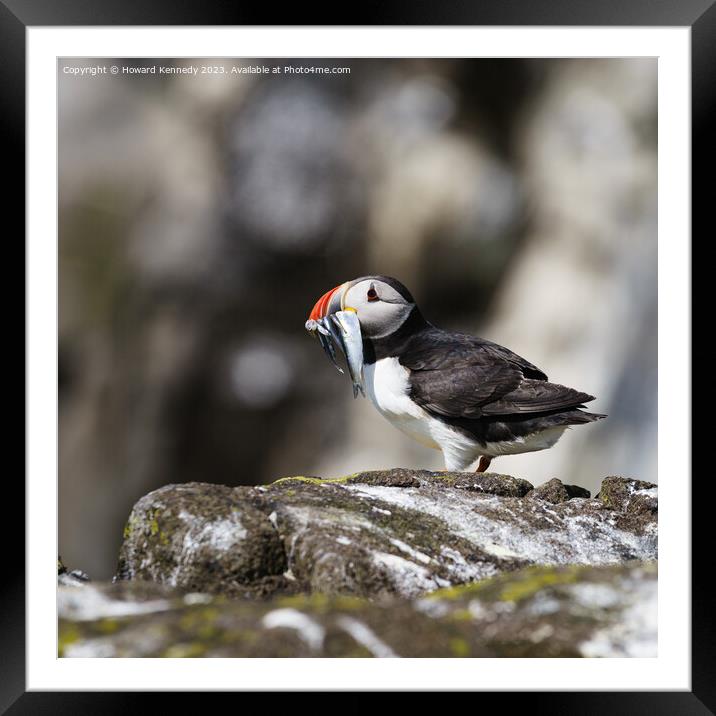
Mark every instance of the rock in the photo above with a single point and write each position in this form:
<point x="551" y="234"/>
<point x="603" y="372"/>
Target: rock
<point x="202" y="537"/>
<point x="555" y="492"/>
<point x="489" y="483"/>
<point x="565" y="611"/>
<point x="625" y="495"/>
<point x="560" y="611"/>
<point x="375" y="534"/>
<point x="399" y="477"/>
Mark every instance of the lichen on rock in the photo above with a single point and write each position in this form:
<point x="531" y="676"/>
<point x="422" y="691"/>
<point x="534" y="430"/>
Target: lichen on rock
<point x="379" y="534"/>
<point x="202" y="537"/>
<point x="563" y="611"/>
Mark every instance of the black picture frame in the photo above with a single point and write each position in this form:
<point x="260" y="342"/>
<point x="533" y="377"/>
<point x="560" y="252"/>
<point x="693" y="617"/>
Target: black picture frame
<point x="699" y="15"/>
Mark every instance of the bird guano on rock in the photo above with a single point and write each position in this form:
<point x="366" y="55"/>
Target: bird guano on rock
<point x="466" y="396"/>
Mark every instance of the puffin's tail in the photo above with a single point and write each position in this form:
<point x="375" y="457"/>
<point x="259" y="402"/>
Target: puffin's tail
<point x="579" y="416"/>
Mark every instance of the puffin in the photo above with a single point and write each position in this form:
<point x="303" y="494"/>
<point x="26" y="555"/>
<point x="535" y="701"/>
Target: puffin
<point x="468" y="397"/>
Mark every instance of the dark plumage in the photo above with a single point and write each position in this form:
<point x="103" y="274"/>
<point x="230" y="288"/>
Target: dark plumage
<point x="478" y="387"/>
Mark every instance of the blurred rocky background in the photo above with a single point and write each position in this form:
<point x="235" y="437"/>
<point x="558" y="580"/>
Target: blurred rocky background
<point x="200" y="217"/>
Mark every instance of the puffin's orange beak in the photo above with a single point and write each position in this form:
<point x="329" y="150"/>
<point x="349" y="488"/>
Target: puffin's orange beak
<point x="323" y="305"/>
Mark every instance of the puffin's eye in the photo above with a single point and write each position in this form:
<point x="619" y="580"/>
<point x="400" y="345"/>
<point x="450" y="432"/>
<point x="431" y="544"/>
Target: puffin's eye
<point x="372" y="294"/>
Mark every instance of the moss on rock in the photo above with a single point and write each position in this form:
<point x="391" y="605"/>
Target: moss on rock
<point x="546" y="611"/>
<point x="201" y="537"/>
<point x="377" y="534"/>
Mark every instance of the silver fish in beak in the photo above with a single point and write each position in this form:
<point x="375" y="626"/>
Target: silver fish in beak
<point x="332" y="322"/>
<point x="324" y="333"/>
<point x="351" y="343"/>
<point x="342" y="328"/>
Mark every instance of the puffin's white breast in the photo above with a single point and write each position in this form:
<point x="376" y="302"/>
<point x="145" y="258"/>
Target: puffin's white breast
<point x="387" y="385"/>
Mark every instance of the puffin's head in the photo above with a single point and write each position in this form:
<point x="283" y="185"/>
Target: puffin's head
<point x="381" y="303"/>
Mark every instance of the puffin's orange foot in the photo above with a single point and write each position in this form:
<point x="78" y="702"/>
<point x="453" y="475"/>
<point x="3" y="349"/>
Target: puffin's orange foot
<point x="484" y="463"/>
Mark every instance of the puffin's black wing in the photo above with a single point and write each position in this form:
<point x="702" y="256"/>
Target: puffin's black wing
<point x="535" y="396"/>
<point x="461" y="376"/>
<point x="434" y="349"/>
